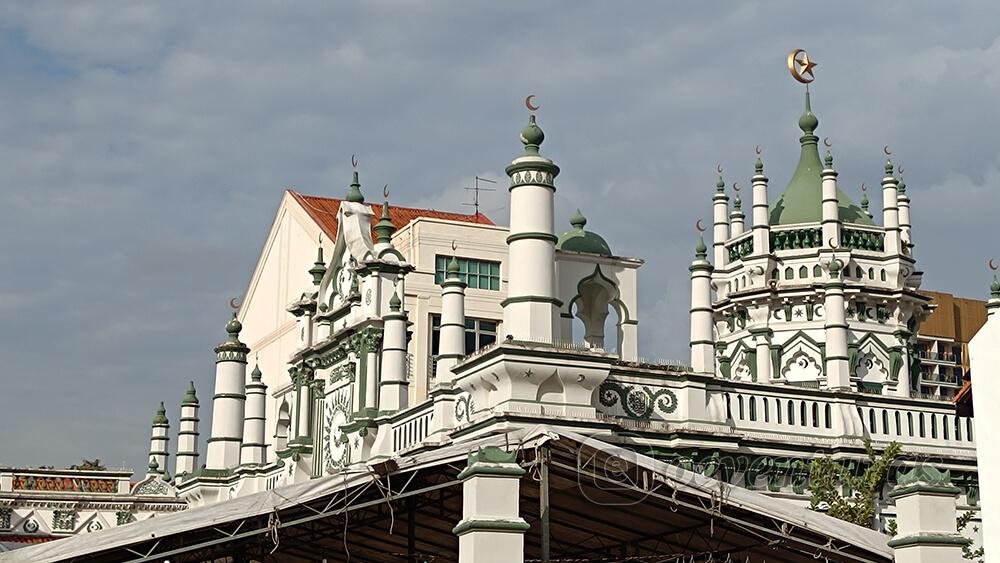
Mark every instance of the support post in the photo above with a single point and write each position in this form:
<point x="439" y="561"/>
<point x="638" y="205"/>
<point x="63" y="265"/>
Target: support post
<point x="491" y="530"/>
<point x="926" y="518"/>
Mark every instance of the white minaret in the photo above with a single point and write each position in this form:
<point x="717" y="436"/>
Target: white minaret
<point x="838" y="376"/>
<point x="831" y="207"/>
<point x="702" y="331"/>
<point x="159" y="443"/>
<point x="903" y="201"/>
<point x="737" y="218"/>
<point x="993" y="305"/>
<point x="393" y="388"/>
<point x="531" y="310"/>
<point x="451" y="338"/>
<point x="229" y="400"/>
<point x="187" y="434"/>
<point x="253" y="450"/>
<point x="761" y="226"/>
<point x="890" y="211"/>
<point x="720" y="222"/>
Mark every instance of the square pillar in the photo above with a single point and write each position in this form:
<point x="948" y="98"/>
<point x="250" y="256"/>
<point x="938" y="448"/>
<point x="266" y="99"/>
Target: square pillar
<point x="926" y="518"/>
<point x="491" y="530"/>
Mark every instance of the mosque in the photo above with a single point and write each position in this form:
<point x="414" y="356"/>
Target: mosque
<point x="415" y="385"/>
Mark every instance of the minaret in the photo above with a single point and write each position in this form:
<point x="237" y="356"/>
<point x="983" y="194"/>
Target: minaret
<point x="993" y="305"/>
<point x="904" y="214"/>
<point x="451" y="347"/>
<point x="838" y="375"/>
<point x="761" y="225"/>
<point x="890" y="211"/>
<point x="702" y="329"/>
<point x="159" y="444"/>
<point x="531" y="309"/>
<point x="736" y="218"/>
<point x="720" y="222"/>
<point x="228" y="401"/>
<point x="187" y="435"/>
<point x="253" y="450"/>
<point x="831" y="207"/>
<point x="393" y="388"/>
<point x="384" y="228"/>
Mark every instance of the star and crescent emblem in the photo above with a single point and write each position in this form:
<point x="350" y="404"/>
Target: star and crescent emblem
<point x="800" y="66"/>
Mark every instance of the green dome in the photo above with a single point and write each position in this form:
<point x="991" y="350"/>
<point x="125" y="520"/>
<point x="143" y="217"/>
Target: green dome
<point x="802" y="201"/>
<point x="579" y="240"/>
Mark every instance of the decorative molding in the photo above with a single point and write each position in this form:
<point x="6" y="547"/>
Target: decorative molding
<point x="639" y="403"/>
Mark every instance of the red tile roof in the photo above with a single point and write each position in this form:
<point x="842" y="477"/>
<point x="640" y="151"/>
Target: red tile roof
<point x="26" y="539"/>
<point x="323" y="210"/>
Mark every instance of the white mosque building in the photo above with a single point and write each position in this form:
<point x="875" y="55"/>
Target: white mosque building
<point x="373" y="338"/>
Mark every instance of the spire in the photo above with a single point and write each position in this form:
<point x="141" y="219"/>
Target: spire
<point x="453" y="268"/>
<point x="864" y="203"/>
<point x="701" y="251"/>
<point x="901" y="187"/>
<point x="532" y="136"/>
<point x="319" y="267"/>
<point x="995" y="288"/>
<point x="720" y="186"/>
<point x="758" y="166"/>
<point x="256" y="374"/>
<point x="384" y="228"/>
<point x="161" y="415"/>
<point x="233" y="328"/>
<point x="355" y="195"/>
<point x="578" y="221"/>
<point x="189" y="397"/>
<point x="394" y="303"/>
<point x="808" y="122"/>
<point x="888" y="168"/>
<point x="828" y="161"/>
<point x="834" y="267"/>
<point x="737" y="203"/>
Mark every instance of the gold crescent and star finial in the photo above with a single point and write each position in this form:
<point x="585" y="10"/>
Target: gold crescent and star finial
<point x="699" y="226"/>
<point x="800" y="66"/>
<point x="528" y="103"/>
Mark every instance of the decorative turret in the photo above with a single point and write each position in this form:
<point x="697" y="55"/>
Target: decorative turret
<point x="393" y="388"/>
<point x="384" y="228"/>
<point x="530" y="311"/>
<point x="354" y="195"/>
<point x="890" y="211"/>
<point x="831" y="210"/>
<point x="229" y="400"/>
<point x="702" y="330"/>
<point x="903" y="200"/>
<point x="319" y="266"/>
<point x="720" y="221"/>
<point x="187" y="434"/>
<point x="253" y="450"/>
<point x="737" y="218"/>
<point x="993" y="305"/>
<point x="865" y="203"/>
<point x="580" y="240"/>
<point x="451" y="338"/>
<point x="159" y="444"/>
<point x="838" y="376"/>
<point x="761" y="221"/>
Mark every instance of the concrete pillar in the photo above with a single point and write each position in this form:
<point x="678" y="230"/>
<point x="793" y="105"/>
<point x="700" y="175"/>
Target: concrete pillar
<point x="451" y="338"/>
<point x="187" y="434"/>
<point x="890" y="212"/>
<point x="720" y="223"/>
<point x="229" y="400"/>
<point x="903" y="201"/>
<point x="159" y="443"/>
<point x="531" y="309"/>
<point x="491" y="530"/>
<point x="702" y="326"/>
<point x="926" y="518"/>
<point x="831" y="207"/>
<point x="253" y="450"/>
<point x="393" y="388"/>
<point x="762" y="343"/>
<point x="303" y="406"/>
<point x="838" y="374"/>
<point x="737" y="218"/>
<point x="761" y="220"/>
<point x="984" y="357"/>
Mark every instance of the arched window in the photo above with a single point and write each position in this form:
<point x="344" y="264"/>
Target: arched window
<point x="789" y="274"/>
<point x="871" y="422"/>
<point x="791" y="412"/>
<point x="958" y="429"/>
<point x="803" y="416"/>
<point x="817" y="271"/>
<point x="767" y="411"/>
<point x="933" y="426"/>
<point x="882" y="274"/>
<point x="739" y="405"/>
<point x="885" y="422"/>
<point x="944" y="427"/>
<point x="753" y="408"/>
<point x="815" y="413"/>
<point x="803" y="272"/>
<point x="777" y="409"/>
<point x="829" y="415"/>
<point x="909" y="422"/>
<point x="923" y="426"/>
<point x="871" y="273"/>
<point x="968" y="429"/>
<point x="859" y="273"/>
<point x="729" y="407"/>
<point x="899" y="427"/>
<point x="774" y="274"/>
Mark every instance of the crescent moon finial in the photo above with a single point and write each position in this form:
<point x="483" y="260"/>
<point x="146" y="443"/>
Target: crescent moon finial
<point x="757" y="150"/>
<point x="992" y="264"/>
<point x="900" y="170"/>
<point x="529" y="105"/>
<point x="864" y="187"/>
<point x="454" y="246"/>
<point x="321" y="237"/>
<point x="385" y="191"/>
<point x="699" y="226"/>
<point x="736" y="186"/>
<point x="234" y="305"/>
<point x="354" y="161"/>
<point x="826" y="142"/>
<point x="833" y="244"/>
<point x="886" y="150"/>
<point x="718" y="168"/>
<point x="800" y="66"/>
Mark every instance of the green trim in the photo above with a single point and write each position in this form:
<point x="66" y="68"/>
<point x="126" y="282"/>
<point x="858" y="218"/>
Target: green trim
<point x="531" y="299"/>
<point x="466" y="526"/>
<point x="223" y="439"/>
<point x="929" y="539"/>
<point x="532" y="235"/>
<point x="229" y="396"/>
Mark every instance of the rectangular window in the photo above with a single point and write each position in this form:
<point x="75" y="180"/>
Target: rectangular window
<point x="477" y="274"/>
<point x="479" y="333"/>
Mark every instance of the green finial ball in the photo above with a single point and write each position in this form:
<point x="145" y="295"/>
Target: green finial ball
<point x="758" y="166"/>
<point x="394" y="302"/>
<point x="720" y="186"/>
<point x="256" y="374"/>
<point x="995" y="287"/>
<point x="864" y="201"/>
<point x="828" y="160"/>
<point x="354" y="195"/>
<point x="453" y="267"/>
<point x="901" y="188"/>
<point x="234" y="326"/>
<point x="578" y="220"/>
<point x="737" y="202"/>
<point x="532" y="136"/>
<point x="190" y="398"/>
<point x="888" y="168"/>
<point x="153" y="464"/>
<point x="700" y="251"/>
<point x="834" y="267"/>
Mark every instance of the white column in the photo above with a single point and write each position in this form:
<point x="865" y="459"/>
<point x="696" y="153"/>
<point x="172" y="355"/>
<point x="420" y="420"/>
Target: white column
<point x="736" y="218"/>
<point x="159" y="443"/>
<point x="903" y="201"/>
<point x="303" y="406"/>
<point x="984" y="359"/>
<point x="451" y="347"/>
<point x="761" y="225"/>
<point x="720" y="223"/>
<point x="831" y="207"/>
<point x="229" y="400"/>
<point x="393" y="388"/>
<point x="762" y="340"/>
<point x="187" y="434"/>
<point x="993" y="305"/>
<point x="926" y="518"/>
<point x="890" y="211"/>
<point x="702" y="329"/>
<point x="838" y="376"/>
<point x="254" y="449"/>
<point x="531" y="309"/>
<point x="491" y="530"/>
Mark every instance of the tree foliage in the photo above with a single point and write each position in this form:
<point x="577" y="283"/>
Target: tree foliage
<point x="846" y="495"/>
<point x="967" y="551"/>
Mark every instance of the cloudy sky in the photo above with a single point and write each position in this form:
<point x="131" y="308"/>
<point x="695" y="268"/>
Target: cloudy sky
<point x="144" y="148"/>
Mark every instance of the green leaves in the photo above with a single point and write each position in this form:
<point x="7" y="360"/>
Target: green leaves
<point x="845" y="494"/>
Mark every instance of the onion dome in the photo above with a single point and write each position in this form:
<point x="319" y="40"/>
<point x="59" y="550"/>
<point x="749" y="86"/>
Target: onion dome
<point x="579" y="240"/>
<point x="161" y="415"/>
<point x="154" y="465"/>
<point x="354" y="195"/>
<point x="319" y="267"/>
<point x="189" y="397"/>
<point x="834" y="268"/>
<point x="802" y="200"/>
<point x="384" y="228"/>
<point x="234" y="327"/>
<point x="532" y="136"/>
<point x="995" y="288"/>
<point x="453" y="267"/>
<point x="256" y="374"/>
<point x="737" y="203"/>
<point x="700" y="250"/>
<point x="394" y="303"/>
